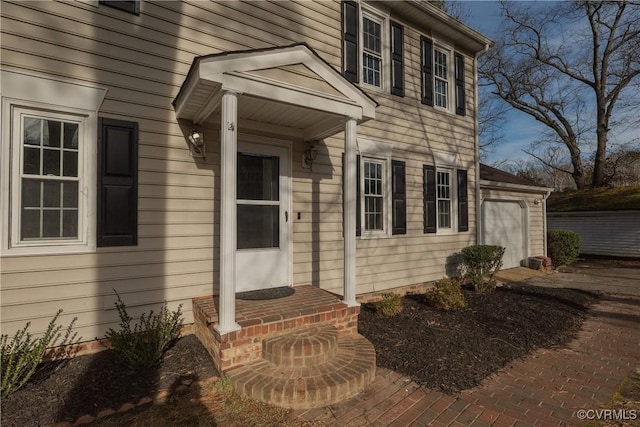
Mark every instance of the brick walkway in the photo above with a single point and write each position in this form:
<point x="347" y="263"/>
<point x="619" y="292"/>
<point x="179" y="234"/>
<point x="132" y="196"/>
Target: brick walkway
<point x="545" y="389"/>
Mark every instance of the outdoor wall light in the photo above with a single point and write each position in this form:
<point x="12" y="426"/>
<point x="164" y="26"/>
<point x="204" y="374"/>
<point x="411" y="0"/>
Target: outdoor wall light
<point x="196" y="141"/>
<point x="309" y="156"/>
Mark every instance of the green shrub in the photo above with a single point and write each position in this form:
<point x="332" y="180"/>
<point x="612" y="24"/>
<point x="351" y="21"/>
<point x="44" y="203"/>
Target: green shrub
<point x="390" y="305"/>
<point x="21" y="356"/>
<point x="563" y="246"/>
<point x="144" y="345"/>
<point x="481" y="262"/>
<point x="446" y="295"/>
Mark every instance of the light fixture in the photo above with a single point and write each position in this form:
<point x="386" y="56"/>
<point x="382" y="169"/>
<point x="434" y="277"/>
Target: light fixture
<point x="309" y="156"/>
<point x="197" y="146"/>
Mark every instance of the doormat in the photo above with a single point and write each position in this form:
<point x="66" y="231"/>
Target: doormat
<point x="263" y="294"/>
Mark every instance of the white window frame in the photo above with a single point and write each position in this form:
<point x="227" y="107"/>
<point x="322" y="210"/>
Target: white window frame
<point x="452" y="199"/>
<point x="39" y="95"/>
<point x="382" y="196"/>
<point x="448" y="51"/>
<point x="447" y="162"/>
<point x="376" y="151"/>
<point x="383" y="20"/>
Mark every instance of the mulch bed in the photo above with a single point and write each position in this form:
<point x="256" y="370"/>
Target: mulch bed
<point x="456" y="350"/>
<point x="448" y="351"/>
<point x="89" y="384"/>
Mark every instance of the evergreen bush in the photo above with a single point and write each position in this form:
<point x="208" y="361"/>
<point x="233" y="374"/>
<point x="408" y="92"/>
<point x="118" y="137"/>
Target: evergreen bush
<point x="390" y="305"/>
<point x="481" y="262"/>
<point x="563" y="246"/>
<point x="446" y="295"/>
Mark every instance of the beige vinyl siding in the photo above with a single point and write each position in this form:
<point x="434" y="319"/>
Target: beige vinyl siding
<point x="142" y="62"/>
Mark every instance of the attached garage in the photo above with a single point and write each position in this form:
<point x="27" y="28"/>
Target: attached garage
<point x="512" y="215"/>
<point x="503" y="224"/>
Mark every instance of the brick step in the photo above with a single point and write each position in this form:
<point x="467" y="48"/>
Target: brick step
<point x="312" y="346"/>
<point x="344" y="375"/>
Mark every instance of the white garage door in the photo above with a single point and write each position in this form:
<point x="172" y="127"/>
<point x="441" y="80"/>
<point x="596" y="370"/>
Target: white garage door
<point x="503" y="225"/>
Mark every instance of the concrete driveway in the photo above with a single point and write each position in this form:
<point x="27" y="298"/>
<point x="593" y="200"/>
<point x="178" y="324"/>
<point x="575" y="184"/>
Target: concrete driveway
<point x="595" y="275"/>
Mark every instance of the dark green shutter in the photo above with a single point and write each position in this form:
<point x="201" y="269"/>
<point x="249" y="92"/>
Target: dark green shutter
<point x="426" y="58"/>
<point x="463" y="201"/>
<point x="429" y="197"/>
<point x="117" y="183"/>
<point x="358" y="201"/>
<point x="397" y="62"/>
<point x="461" y="109"/>
<point x="398" y="197"/>
<point x="350" y="37"/>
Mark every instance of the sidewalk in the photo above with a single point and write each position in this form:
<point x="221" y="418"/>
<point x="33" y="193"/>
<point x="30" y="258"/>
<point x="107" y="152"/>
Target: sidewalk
<point x="547" y="388"/>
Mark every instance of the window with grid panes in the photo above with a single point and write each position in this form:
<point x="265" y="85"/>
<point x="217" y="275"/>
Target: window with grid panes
<point x="49" y="179"/>
<point x="444" y="197"/>
<point x="373" y="195"/>
<point x="371" y="51"/>
<point x="441" y="78"/>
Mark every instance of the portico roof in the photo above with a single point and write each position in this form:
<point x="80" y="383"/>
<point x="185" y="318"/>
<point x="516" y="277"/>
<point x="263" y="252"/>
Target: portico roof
<point x="289" y="87"/>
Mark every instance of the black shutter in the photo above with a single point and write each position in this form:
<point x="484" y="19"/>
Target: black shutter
<point x="132" y="6"/>
<point x="399" y="197"/>
<point x="358" y="198"/>
<point x="429" y="196"/>
<point x="117" y="183"/>
<point x="427" y="70"/>
<point x="358" y="201"/>
<point x="397" y="63"/>
<point x="463" y="201"/>
<point x="350" y="36"/>
<point x="461" y="109"/>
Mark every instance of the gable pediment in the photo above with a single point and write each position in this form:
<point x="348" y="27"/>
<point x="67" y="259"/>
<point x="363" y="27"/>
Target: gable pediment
<point x="294" y="75"/>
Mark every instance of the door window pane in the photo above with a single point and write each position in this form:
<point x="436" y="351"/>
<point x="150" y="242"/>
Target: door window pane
<point x="258" y="177"/>
<point x="258" y="226"/>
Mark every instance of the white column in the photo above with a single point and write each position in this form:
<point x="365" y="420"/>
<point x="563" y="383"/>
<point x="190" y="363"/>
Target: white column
<point x="349" y="212"/>
<point x="229" y="152"/>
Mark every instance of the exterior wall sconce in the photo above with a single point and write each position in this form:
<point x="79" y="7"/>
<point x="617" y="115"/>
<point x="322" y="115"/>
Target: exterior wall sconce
<point x="536" y="201"/>
<point x="196" y="144"/>
<point x="309" y="156"/>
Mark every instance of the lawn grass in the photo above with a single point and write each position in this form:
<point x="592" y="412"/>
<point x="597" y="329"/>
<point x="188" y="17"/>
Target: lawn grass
<point x="597" y="199"/>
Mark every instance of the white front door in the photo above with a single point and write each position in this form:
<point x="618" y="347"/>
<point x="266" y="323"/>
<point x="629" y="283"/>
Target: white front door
<point x="263" y="234"/>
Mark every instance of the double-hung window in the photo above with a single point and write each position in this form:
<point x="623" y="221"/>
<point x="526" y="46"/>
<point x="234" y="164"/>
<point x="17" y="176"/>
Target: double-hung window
<point x="440" y="78"/>
<point x="381" y="208"/>
<point x="50" y="177"/>
<point x="443" y="77"/>
<point x="374" y="195"/>
<point x="372" y="51"/>
<point x="445" y="195"/>
<point x="372" y="48"/>
<point x="69" y="178"/>
<point x="444" y="198"/>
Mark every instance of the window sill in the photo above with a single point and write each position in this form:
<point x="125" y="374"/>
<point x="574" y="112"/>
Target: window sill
<point x="373" y="235"/>
<point x="47" y="250"/>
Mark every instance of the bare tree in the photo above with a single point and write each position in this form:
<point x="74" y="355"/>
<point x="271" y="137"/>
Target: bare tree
<point x="567" y="65"/>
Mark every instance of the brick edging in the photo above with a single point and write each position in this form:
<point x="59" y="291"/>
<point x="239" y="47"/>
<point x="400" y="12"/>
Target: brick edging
<point x="160" y="398"/>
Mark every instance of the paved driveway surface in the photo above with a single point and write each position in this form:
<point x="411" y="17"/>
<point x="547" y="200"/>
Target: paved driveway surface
<point x="618" y="277"/>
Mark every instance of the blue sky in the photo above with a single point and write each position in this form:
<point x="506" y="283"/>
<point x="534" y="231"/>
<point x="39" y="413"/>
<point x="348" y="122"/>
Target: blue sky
<point x="520" y="129"/>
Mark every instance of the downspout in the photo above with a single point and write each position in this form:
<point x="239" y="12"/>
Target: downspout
<point x="544" y="215"/>
<point x="477" y="144"/>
